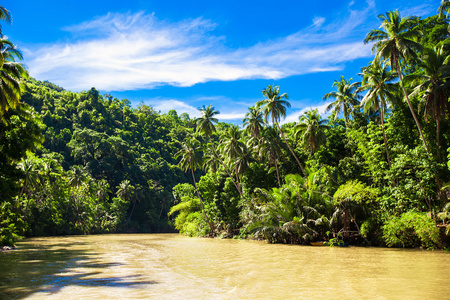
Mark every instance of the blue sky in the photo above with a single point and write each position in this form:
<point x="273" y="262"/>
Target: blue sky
<point x="185" y="54"/>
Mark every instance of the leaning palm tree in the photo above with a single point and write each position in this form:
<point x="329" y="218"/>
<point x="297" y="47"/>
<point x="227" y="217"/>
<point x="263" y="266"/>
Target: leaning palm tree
<point x="310" y="130"/>
<point x="191" y="160"/>
<point x="254" y="121"/>
<point x="205" y="125"/>
<point x="346" y="98"/>
<point x="394" y="43"/>
<point x="274" y="105"/>
<point x="377" y="80"/>
<point x="433" y="85"/>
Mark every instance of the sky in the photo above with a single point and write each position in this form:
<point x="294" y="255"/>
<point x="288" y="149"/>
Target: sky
<point x="178" y="54"/>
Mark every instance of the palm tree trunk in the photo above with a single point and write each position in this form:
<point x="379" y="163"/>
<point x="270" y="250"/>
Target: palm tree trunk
<point x="438" y="140"/>
<point x="278" y="172"/>
<point x="384" y="134"/>
<point x="226" y="169"/>
<point x="292" y="151"/>
<point x="211" y="228"/>
<point x="411" y="108"/>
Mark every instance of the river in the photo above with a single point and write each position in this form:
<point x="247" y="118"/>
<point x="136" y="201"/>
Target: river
<point x="171" y="266"/>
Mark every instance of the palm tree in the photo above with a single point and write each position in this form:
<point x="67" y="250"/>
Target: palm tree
<point x="346" y="98"/>
<point x="434" y="86"/>
<point x="444" y="8"/>
<point x="378" y="81"/>
<point x="254" y="121"/>
<point x="274" y="105"/>
<point x="269" y="148"/>
<point x="11" y="73"/>
<point x="205" y="125"/>
<point x="6" y="16"/>
<point x="310" y="129"/>
<point x="190" y="160"/>
<point x="394" y="43"/>
<point x="125" y="190"/>
<point x="210" y="162"/>
<point x="232" y="147"/>
<point x="31" y="174"/>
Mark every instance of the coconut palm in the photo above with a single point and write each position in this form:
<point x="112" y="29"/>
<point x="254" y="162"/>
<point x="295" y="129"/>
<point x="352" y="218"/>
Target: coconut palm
<point x="254" y="121"/>
<point x="231" y="146"/>
<point x="274" y="105"/>
<point x="346" y="98"/>
<point x="210" y="162"/>
<point x="31" y="175"/>
<point x="205" y="125"/>
<point x="433" y="85"/>
<point x="444" y="8"/>
<point x="125" y="190"/>
<point x="377" y="80"/>
<point x="269" y="148"/>
<point x="6" y="16"/>
<point x="310" y="130"/>
<point x="394" y="43"/>
<point x="11" y="74"/>
<point x="191" y="159"/>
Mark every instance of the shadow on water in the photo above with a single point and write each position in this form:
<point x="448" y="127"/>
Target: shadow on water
<point x="38" y="268"/>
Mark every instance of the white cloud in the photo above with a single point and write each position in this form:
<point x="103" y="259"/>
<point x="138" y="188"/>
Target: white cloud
<point x="318" y="21"/>
<point x="165" y="105"/>
<point x="120" y="52"/>
<point x="294" y="116"/>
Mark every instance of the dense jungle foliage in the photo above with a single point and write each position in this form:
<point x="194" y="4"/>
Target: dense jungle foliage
<point x="374" y="172"/>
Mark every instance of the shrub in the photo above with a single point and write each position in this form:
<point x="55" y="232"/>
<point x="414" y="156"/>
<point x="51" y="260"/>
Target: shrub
<point x="411" y="229"/>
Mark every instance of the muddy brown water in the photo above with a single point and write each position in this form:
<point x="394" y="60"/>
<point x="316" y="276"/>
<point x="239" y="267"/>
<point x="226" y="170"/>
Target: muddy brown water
<point x="171" y="266"/>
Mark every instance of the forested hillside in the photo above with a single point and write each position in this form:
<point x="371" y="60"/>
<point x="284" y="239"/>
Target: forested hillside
<point x="374" y="172"/>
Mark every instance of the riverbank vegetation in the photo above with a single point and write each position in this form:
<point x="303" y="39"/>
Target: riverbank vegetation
<point x="374" y="172"/>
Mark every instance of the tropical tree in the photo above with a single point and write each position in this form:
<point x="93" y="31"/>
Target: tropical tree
<point x="274" y="105"/>
<point x="433" y="85"/>
<point x="6" y="16"/>
<point x="269" y="149"/>
<point x="11" y="74"/>
<point x="346" y="98"/>
<point x="310" y="130"/>
<point x="191" y="159"/>
<point x="377" y="80"/>
<point x="253" y="121"/>
<point x="125" y="190"/>
<point x="205" y="125"/>
<point x="394" y="43"/>
<point x="232" y="147"/>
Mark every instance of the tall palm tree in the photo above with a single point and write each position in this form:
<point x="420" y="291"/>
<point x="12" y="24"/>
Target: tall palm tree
<point x="254" y="121"/>
<point x="205" y="125"/>
<point x="433" y="85"/>
<point x="191" y="160"/>
<point x="269" y="148"/>
<point x="346" y="98"/>
<point x="232" y="146"/>
<point x="210" y="162"/>
<point x="378" y="81"/>
<point x="31" y="175"/>
<point x="394" y="43"/>
<point x="310" y="128"/>
<point x="274" y="105"/>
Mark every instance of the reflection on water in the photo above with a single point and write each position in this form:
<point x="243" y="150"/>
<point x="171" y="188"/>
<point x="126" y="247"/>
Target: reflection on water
<point x="168" y="266"/>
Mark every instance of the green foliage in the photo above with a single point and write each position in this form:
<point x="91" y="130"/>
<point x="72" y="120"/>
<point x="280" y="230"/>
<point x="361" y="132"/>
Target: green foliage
<point x="411" y="229"/>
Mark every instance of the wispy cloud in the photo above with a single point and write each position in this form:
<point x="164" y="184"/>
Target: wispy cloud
<point x="120" y="52"/>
